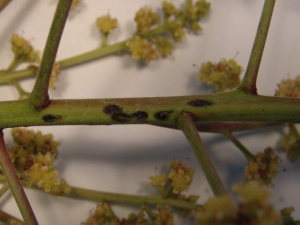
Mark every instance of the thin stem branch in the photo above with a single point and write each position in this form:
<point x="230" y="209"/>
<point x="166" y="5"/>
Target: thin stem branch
<point x="39" y="97"/>
<point x="3" y="189"/>
<point x="3" y="4"/>
<point x="23" y="94"/>
<point x="239" y="145"/>
<point x="248" y="84"/>
<point x="130" y="199"/>
<point x="186" y="123"/>
<point x="9" y="219"/>
<point x="15" y="184"/>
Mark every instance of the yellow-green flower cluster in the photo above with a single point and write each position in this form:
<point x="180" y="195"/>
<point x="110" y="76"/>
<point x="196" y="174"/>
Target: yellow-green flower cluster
<point x="291" y="144"/>
<point x="148" y="44"/>
<point x="102" y="215"/>
<point x="23" y="50"/>
<point x="286" y="215"/>
<point x="252" y="208"/>
<point x="263" y="168"/>
<point x="289" y="88"/>
<point x="195" y="12"/>
<point x="145" y="18"/>
<point x="33" y="157"/>
<point x="106" y="24"/>
<point x="224" y="75"/>
<point x="164" y="216"/>
<point x="74" y="4"/>
<point x="178" y="179"/>
<point x="142" y="49"/>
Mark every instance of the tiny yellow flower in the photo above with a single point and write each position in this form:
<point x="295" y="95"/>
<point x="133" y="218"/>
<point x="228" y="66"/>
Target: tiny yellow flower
<point x="106" y="24"/>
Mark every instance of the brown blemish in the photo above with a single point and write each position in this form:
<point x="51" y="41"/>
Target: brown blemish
<point x="140" y="115"/>
<point x="163" y="115"/>
<point x="51" y="118"/>
<point x="112" y="109"/>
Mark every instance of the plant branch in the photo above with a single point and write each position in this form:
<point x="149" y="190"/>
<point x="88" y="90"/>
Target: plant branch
<point x="130" y="199"/>
<point x="39" y="97"/>
<point x="3" y="4"/>
<point x="248" y="84"/>
<point x="15" y="184"/>
<point x="3" y="189"/>
<point x="9" y="219"/>
<point x="186" y="123"/>
<point x="239" y="145"/>
<point x="226" y="106"/>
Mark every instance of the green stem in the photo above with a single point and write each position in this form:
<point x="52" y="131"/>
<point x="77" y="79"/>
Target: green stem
<point x="239" y="145"/>
<point x="104" y="40"/>
<point x="186" y="123"/>
<point x="12" y="65"/>
<point x="39" y="97"/>
<point x="3" y="189"/>
<point x="248" y="84"/>
<point x="131" y="199"/>
<point x="88" y="56"/>
<point x="9" y="219"/>
<point x="91" y="55"/>
<point x="15" y="184"/>
<point x="163" y="111"/>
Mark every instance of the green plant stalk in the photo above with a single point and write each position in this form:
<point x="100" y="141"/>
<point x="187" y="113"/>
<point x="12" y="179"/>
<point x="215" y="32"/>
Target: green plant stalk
<point x="186" y="123"/>
<point x="9" y="219"/>
<point x="15" y="184"/>
<point x="39" y="97"/>
<point x="19" y="88"/>
<point x="131" y="199"/>
<point x="295" y="131"/>
<point x="248" y="83"/>
<point x="227" y="106"/>
<point x="3" y="189"/>
<point x="239" y="145"/>
<point x="87" y="56"/>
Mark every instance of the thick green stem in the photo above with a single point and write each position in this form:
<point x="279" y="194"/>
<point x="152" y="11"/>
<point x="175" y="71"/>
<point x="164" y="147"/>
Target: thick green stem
<point x="226" y="106"/>
<point x="131" y="199"/>
<point x="15" y="184"/>
<point x="9" y="219"/>
<point x="39" y="97"/>
<point x="248" y="84"/>
<point x="186" y="123"/>
<point x="239" y="145"/>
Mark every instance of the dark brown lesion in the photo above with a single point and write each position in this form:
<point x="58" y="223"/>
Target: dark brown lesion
<point x="199" y="103"/>
<point x="51" y="118"/>
<point x="112" y="109"/>
<point x="163" y="115"/>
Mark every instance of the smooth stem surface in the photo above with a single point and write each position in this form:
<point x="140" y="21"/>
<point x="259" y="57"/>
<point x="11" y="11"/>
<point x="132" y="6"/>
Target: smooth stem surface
<point x="39" y="97"/>
<point x="130" y="199"/>
<point x="239" y="145"/>
<point x="15" y="184"/>
<point x="248" y="84"/>
<point x="186" y="123"/>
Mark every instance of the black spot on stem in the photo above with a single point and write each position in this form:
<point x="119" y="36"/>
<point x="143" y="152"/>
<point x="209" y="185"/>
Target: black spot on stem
<point x="163" y="115"/>
<point x="199" y="103"/>
<point x="51" y="118"/>
<point x="140" y="115"/>
<point x="112" y="109"/>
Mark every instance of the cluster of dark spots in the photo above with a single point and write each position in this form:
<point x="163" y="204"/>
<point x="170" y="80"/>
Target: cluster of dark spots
<point x="199" y="103"/>
<point x="163" y="115"/>
<point x="117" y="114"/>
<point x="139" y="115"/>
<point x="112" y="109"/>
<point x="51" y="118"/>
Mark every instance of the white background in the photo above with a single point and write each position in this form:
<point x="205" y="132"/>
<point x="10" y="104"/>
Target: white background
<point x="121" y="158"/>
